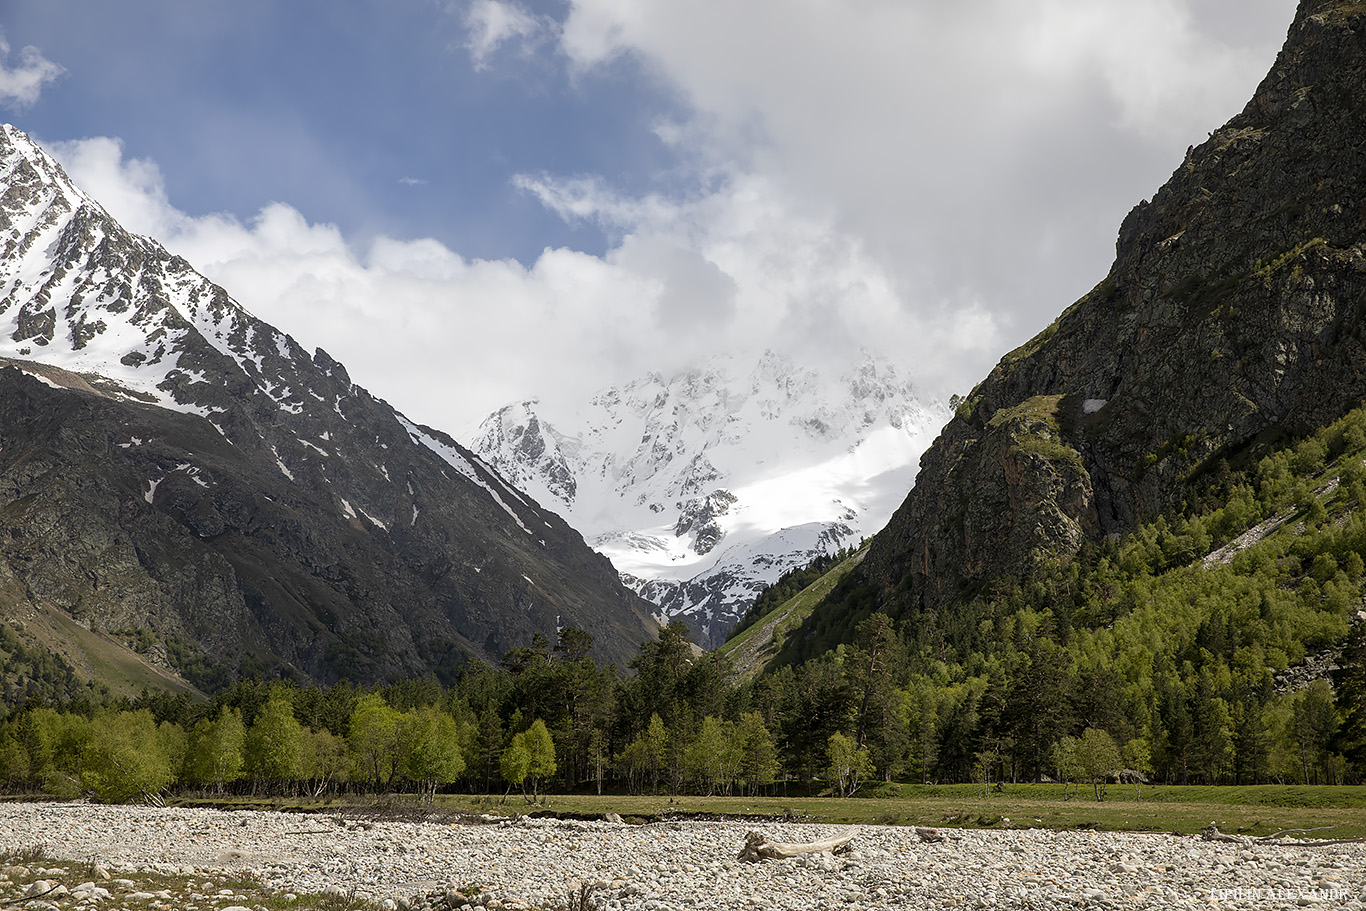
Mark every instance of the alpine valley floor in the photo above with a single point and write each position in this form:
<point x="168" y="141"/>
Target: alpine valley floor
<point x="539" y="863"/>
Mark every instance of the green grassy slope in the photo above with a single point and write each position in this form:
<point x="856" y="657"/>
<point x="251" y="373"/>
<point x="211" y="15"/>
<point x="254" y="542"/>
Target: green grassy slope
<point x="45" y="654"/>
<point x="1175" y="640"/>
<point x="755" y="647"/>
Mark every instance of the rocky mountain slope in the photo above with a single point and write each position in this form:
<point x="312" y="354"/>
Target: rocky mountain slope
<point x="1234" y="315"/>
<point x="706" y="486"/>
<point x="170" y="463"/>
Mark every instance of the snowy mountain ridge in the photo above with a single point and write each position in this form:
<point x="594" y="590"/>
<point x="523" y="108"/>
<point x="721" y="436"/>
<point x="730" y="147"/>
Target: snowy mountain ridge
<point x="704" y="486"/>
<point x="255" y="500"/>
<point x="136" y="317"/>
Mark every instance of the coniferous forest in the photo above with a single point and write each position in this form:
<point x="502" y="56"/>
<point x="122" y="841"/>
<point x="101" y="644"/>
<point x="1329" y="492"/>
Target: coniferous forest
<point x="1185" y="652"/>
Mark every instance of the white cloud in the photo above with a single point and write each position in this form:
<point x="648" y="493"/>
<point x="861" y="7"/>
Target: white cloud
<point x="132" y="190"/>
<point x="930" y="181"/>
<point x="21" y="85"/>
<point x="978" y="156"/>
<point x="492" y="23"/>
<point x="448" y="339"/>
<point x="1169" y="81"/>
<point x="591" y="199"/>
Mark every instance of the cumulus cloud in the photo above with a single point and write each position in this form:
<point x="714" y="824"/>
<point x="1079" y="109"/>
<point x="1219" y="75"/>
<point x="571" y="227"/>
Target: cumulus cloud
<point x="133" y="189"/>
<point x="978" y="157"/>
<point x="490" y="24"/>
<point x="449" y="339"/>
<point x="933" y="182"/>
<point x="21" y="85"/>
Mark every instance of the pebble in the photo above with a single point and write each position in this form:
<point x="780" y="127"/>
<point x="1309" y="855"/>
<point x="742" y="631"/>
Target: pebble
<point x="538" y="863"/>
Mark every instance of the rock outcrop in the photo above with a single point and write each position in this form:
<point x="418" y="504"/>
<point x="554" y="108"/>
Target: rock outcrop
<point x="1234" y="315"/>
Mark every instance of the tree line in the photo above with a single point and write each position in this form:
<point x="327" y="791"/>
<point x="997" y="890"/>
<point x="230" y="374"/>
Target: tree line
<point x="1134" y="655"/>
<point x="1168" y="660"/>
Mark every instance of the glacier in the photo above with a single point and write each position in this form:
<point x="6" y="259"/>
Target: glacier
<point x="705" y="486"/>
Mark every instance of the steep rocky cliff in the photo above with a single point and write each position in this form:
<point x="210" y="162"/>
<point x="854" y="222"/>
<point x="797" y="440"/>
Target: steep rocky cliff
<point x="1234" y="314"/>
<point x="170" y="463"/>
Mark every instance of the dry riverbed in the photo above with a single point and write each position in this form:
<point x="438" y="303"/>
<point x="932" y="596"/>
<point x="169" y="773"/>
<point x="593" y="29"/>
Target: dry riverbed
<point x="98" y="857"/>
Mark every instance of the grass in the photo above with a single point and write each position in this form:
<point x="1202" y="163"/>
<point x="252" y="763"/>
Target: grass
<point x="21" y="867"/>
<point x="1249" y="810"/>
<point x="1041" y="409"/>
<point x="753" y="649"/>
<point x="96" y="656"/>
<point x="1039" y="428"/>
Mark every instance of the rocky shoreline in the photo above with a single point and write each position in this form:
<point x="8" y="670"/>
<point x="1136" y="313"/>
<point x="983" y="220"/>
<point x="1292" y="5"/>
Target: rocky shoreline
<point x="539" y="863"/>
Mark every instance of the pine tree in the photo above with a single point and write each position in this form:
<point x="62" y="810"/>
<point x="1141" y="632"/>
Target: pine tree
<point x="758" y="759"/>
<point x="1350" y="683"/>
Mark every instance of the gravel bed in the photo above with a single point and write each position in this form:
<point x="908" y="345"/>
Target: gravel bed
<point x="537" y="863"/>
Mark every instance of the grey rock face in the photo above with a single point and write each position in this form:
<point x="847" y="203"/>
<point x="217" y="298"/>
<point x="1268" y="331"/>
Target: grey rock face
<point x="1233" y="314"/>
<point x="195" y="472"/>
<point x="698" y="518"/>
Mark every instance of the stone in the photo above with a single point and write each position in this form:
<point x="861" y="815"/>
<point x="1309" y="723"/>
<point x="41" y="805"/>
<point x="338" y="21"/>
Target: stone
<point x="1054" y="869"/>
<point x="38" y="887"/>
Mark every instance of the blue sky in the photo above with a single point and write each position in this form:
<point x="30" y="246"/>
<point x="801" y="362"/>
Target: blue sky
<point x="474" y="201"/>
<point x="331" y="105"/>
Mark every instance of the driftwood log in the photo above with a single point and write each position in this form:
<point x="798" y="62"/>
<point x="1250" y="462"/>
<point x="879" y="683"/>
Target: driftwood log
<point x="758" y="848"/>
<point x="1212" y="833"/>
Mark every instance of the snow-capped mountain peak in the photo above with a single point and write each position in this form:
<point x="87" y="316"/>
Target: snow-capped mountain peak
<point x="308" y="498"/>
<point x="673" y="477"/>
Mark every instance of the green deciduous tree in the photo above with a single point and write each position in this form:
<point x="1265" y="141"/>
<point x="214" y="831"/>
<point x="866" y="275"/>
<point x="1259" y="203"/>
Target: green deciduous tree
<point x="711" y="757"/>
<point x="1096" y="756"/>
<point x="515" y="763"/>
<point x="216" y="755"/>
<point x="647" y="755"/>
<point x="14" y="761"/>
<point x="530" y="757"/>
<point x="274" y="744"/>
<point x="541" y="752"/>
<point x="849" y="764"/>
<point x="432" y="755"/>
<point x="1065" y="765"/>
<point x="374" y="737"/>
<point x="126" y="757"/>
<point x="326" y="760"/>
<point x="1138" y="759"/>
<point x="55" y="742"/>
